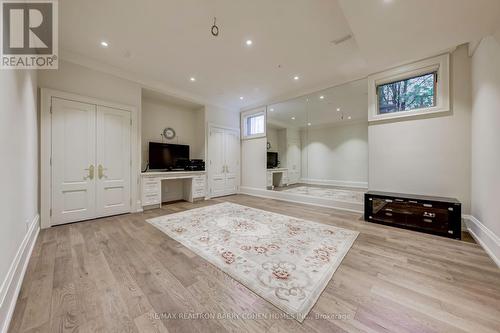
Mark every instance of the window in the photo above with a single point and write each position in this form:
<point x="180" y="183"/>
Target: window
<point x="409" y="94"/>
<point x="410" y="90"/>
<point x="253" y="123"/>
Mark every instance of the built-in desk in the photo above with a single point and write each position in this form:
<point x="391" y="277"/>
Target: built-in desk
<point x="282" y="177"/>
<point x="194" y="185"/>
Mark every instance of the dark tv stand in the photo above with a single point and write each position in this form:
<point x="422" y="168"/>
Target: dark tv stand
<point x="433" y="215"/>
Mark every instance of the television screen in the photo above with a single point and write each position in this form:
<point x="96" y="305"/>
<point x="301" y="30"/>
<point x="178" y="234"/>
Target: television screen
<point x="272" y="160"/>
<point x="168" y="156"/>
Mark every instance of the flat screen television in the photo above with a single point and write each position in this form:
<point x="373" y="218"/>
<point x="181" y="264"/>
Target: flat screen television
<point x="166" y="156"/>
<point x="272" y="160"/>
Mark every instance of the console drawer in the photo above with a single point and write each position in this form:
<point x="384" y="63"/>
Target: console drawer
<point x="150" y="199"/>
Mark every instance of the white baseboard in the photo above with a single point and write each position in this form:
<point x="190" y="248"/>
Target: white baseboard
<point x="484" y="237"/>
<point x="9" y="291"/>
<point x="343" y="183"/>
<point x="303" y="199"/>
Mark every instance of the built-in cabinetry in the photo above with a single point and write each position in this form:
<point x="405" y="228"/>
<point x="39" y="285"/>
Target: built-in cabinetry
<point x="223" y="161"/>
<point x="277" y="177"/>
<point x="194" y="185"/>
<point x="90" y="161"/>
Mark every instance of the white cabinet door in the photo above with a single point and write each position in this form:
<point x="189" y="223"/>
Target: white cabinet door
<point x="224" y="161"/>
<point x="73" y="161"/>
<point x="232" y="158"/>
<point x="217" y="175"/>
<point x="113" y="161"/>
<point x="293" y="162"/>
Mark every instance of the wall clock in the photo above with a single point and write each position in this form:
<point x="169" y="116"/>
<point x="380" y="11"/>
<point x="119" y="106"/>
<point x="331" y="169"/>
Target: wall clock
<point x="169" y="133"/>
<point x="268" y="145"/>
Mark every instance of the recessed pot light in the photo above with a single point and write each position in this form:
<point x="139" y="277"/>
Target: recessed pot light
<point x="249" y="42"/>
<point x="321" y="97"/>
<point x="308" y="124"/>
<point x="104" y="43"/>
<point x="296" y="78"/>
<point x="241" y="97"/>
<point x="293" y="118"/>
<point x="192" y="79"/>
<point x="349" y="117"/>
<point x="338" y="109"/>
<point x="271" y="109"/>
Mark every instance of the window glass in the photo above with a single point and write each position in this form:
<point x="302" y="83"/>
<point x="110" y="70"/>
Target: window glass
<point x="409" y="94"/>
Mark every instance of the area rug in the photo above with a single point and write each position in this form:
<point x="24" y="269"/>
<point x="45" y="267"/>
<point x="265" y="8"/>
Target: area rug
<point x="328" y="193"/>
<point x="287" y="261"/>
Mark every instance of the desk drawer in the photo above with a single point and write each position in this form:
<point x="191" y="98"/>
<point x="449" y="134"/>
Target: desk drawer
<point x="199" y="181"/>
<point x="199" y="193"/>
<point x="150" y="199"/>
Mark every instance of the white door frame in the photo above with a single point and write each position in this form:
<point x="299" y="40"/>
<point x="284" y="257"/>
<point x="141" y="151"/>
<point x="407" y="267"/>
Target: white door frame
<point x="46" y="150"/>
<point x="207" y="157"/>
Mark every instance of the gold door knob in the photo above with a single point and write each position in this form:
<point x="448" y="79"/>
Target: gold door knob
<point x="90" y="170"/>
<point x="100" y="172"/>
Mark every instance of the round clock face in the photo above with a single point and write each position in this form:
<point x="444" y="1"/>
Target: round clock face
<point x="169" y="133"/>
<point x="268" y="145"/>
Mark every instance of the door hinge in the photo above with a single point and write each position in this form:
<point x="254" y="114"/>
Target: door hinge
<point x="50" y="212"/>
<point x="50" y="161"/>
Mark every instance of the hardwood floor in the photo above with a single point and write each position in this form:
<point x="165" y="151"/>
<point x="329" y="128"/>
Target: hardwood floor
<point x="120" y="274"/>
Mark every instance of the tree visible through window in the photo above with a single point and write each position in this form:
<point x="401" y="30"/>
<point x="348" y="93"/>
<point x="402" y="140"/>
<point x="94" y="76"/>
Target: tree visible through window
<point x="408" y="94"/>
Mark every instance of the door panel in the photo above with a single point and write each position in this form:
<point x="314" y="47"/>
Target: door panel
<point x="217" y="176"/>
<point x="232" y="158"/>
<point x="73" y="157"/>
<point x="293" y="160"/>
<point x="113" y="161"/>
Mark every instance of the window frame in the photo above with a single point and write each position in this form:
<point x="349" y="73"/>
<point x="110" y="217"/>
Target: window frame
<point x="253" y="113"/>
<point x="439" y="65"/>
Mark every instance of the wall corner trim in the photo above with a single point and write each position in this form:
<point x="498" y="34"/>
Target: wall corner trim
<point x="9" y="290"/>
<point x="484" y="237"/>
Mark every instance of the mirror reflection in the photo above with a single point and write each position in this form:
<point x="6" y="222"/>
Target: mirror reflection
<point x="317" y="145"/>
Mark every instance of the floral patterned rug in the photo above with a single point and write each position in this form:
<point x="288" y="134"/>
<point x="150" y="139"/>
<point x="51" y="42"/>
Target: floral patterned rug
<point x="328" y="193"/>
<point x="287" y="261"/>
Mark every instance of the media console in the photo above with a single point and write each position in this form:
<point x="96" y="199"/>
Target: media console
<point x="433" y="215"/>
<point x="194" y="183"/>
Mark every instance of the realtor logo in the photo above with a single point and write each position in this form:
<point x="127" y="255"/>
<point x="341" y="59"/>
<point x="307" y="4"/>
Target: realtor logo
<point x="29" y="34"/>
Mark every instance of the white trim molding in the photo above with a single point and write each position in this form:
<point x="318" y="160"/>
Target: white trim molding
<point x="484" y="237"/>
<point x="439" y="64"/>
<point x="343" y="183"/>
<point x="302" y="199"/>
<point x="9" y="290"/>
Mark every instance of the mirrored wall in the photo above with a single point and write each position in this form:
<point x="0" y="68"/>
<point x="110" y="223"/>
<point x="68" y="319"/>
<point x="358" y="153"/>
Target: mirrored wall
<point x="317" y="146"/>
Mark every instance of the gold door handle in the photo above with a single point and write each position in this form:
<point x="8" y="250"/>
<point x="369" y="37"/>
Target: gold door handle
<point x="100" y="172"/>
<point x="90" y="170"/>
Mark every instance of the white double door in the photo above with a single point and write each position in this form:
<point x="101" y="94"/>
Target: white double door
<point x="90" y="161"/>
<point x="224" y="161"/>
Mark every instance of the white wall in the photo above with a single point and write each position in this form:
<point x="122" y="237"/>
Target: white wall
<point x="336" y="155"/>
<point x="18" y="173"/>
<point x="272" y="138"/>
<point x="253" y="163"/>
<point x="156" y="115"/>
<point x="486" y="136"/>
<point x="431" y="155"/>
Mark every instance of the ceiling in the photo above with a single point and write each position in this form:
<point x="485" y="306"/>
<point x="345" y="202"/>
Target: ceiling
<point x="165" y="43"/>
<point x="319" y="109"/>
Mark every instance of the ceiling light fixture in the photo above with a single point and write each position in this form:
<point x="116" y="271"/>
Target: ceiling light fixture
<point x="271" y="109"/>
<point x="321" y="97"/>
<point x="296" y="78"/>
<point x="308" y="124"/>
<point x="349" y="117"/>
<point x="104" y="43"/>
<point x="249" y="42"/>
<point x="338" y="109"/>
<point x="293" y="118"/>
<point x="192" y="79"/>
<point x="241" y="97"/>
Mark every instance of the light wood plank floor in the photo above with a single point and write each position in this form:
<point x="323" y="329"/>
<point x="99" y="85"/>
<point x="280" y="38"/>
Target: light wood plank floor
<point x="120" y="274"/>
